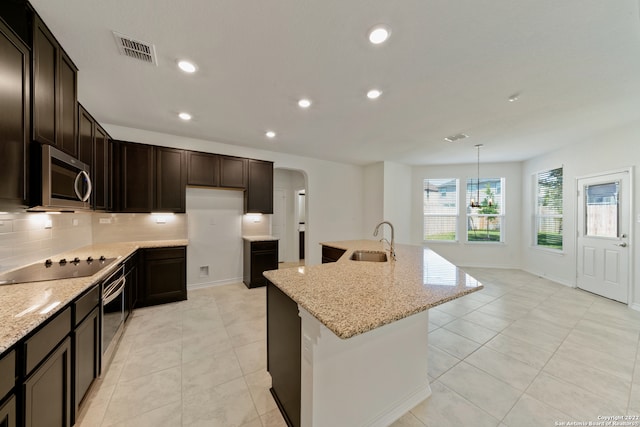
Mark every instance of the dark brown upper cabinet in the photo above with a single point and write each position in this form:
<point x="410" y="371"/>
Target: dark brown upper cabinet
<point x="171" y="180"/>
<point x="14" y="118"/>
<point x="101" y="170"/>
<point x="93" y="149"/>
<point x="259" y="195"/>
<point x="233" y="172"/>
<point x="149" y="178"/>
<point x="54" y="92"/>
<point x="134" y="189"/>
<point x="203" y="169"/>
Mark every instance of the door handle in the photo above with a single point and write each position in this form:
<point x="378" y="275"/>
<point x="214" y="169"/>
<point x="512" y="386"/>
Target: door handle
<point x="622" y="245"/>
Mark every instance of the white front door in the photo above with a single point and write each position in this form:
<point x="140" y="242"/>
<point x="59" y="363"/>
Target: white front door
<point x="603" y="230"/>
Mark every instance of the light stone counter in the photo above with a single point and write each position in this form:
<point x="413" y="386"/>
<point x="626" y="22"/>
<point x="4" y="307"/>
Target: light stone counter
<point x="24" y="306"/>
<point x="354" y="297"/>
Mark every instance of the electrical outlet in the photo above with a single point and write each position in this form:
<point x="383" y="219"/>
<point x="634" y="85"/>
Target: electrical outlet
<point x="48" y="224"/>
<point x="105" y="220"/>
<point x="75" y="222"/>
<point x="638" y="218"/>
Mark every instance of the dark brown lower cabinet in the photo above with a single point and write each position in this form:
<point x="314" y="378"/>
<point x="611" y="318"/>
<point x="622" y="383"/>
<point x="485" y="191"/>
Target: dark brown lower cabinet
<point x="258" y="258"/>
<point x="47" y="392"/>
<point x="164" y="276"/>
<point x="8" y="413"/>
<point x="87" y="355"/>
<point x="283" y="353"/>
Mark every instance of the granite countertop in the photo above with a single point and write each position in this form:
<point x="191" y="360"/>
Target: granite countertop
<point x="24" y="306"/>
<point x="354" y="297"/>
<point x="264" y="238"/>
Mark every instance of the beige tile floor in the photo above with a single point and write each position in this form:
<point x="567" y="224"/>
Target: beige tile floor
<point x="524" y="351"/>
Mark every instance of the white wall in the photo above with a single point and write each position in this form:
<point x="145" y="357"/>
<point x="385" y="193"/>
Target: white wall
<point x="335" y="190"/>
<point x="397" y="200"/>
<point x="215" y="230"/>
<point x="373" y="197"/>
<point x="613" y="150"/>
<point x="501" y="255"/>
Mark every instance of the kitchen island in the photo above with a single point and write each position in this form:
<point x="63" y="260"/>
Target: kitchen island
<point x="347" y="341"/>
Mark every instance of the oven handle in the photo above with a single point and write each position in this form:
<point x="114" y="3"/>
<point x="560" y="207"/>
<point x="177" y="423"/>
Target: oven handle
<point x="113" y="290"/>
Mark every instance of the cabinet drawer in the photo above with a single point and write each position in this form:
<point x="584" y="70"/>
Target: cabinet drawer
<point x="164" y="253"/>
<point x="7" y="373"/>
<point x="264" y="246"/>
<point x="86" y="303"/>
<point x="45" y="340"/>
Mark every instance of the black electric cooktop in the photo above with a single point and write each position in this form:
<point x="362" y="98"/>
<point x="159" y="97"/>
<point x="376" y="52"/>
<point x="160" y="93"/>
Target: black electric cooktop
<point x="54" y="270"/>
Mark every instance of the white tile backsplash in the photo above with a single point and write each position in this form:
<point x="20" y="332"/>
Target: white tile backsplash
<point x="29" y="237"/>
<point x="26" y="237"/>
<point x="120" y="227"/>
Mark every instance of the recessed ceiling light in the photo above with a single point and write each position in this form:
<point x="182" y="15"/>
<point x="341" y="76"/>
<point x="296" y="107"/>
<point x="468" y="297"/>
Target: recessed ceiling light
<point x="304" y="103"/>
<point x="185" y="116"/>
<point x="379" y="34"/>
<point x="186" y="66"/>
<point x="374" y="94"/>
<point x="270" y="134"/>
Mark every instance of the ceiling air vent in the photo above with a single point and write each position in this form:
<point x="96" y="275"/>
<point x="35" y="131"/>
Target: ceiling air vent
<point x="457" y="137"/>
<point x="136" y="49"/>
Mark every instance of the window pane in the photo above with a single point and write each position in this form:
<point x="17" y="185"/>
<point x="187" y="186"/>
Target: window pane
<point x="440" y="208"/>
<point x="549" y="187"/>
<point x="484" y="228"/>
<point x="549" y="232"/>
<point x="602" y="210"/>
<point x="440" y="227"/>
<point x="488" y="193"/>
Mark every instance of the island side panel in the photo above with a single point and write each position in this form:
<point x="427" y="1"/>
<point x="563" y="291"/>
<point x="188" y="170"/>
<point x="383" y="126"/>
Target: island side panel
<point x="283" y="352"/>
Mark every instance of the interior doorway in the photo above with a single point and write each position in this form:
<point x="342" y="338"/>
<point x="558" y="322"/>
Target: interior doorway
<point x="604" y="221"/>
<point x="289" y="221"/>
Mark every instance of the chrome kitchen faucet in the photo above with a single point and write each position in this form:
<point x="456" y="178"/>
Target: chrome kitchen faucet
<point x="392" y="249"/>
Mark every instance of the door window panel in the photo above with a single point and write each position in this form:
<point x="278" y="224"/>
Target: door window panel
<point x="602" y="210"/>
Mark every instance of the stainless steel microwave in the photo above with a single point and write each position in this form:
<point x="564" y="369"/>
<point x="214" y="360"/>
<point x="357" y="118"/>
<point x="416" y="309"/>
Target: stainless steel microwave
<point x="64" y="182"/>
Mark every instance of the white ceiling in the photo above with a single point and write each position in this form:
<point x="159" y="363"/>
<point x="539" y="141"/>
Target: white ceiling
<point x="449" y="67"/>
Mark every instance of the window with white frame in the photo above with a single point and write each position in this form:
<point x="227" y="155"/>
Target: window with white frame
<point x="485" y="222"/>
<point x="548" y="216"/>
<point x="440" y="209"/>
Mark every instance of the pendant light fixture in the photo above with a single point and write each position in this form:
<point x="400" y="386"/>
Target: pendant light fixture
<point x="476" y="203"/>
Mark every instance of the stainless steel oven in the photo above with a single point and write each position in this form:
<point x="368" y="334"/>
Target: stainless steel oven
<point x="113" y="313"/>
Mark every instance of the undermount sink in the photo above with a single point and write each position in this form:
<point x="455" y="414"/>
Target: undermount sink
<point x="372" y="256"/>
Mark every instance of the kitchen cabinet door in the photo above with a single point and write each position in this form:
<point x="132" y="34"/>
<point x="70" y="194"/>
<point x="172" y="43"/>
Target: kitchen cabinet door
<point x="54" y="92"/>
<point x="258" y="258"/>
<point x="164" y="276"/>
<point x="170" y="180"/>
<point x="100" y="169"/>
<point x="8" y="413"/>
<point x="203" y="169"/>
<point x="47" y="392"/>
<point x="14" y="118"/>
<point x="86" y="126"/>
<point x="259" y="195"/>
<point x="135" y="189"/>
<point x="87" y="355"/>
<point x="233" y="172"/>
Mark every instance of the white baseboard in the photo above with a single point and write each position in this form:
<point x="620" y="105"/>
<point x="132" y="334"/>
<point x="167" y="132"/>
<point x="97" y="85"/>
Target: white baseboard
<point x="214" y="283"/>
<point x="635" y="306"/>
